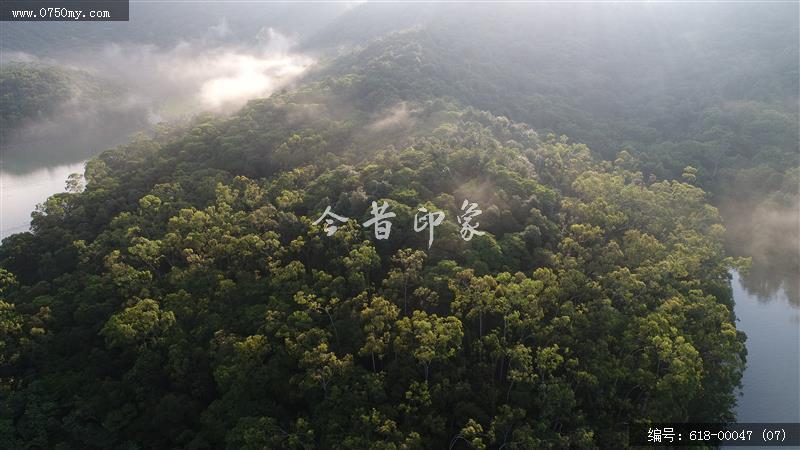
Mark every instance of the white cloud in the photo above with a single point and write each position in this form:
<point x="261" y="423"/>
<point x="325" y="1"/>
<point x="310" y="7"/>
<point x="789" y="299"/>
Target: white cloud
<point x="191" y="77"/>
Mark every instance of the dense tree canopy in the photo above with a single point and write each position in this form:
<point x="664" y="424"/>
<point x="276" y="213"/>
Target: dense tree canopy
<point x="29" y="92"/>
<point x="715" y="88"/>
<point x="664" y="86"/>
<point x="32" y="93"/>
<point x="186" y="299"/>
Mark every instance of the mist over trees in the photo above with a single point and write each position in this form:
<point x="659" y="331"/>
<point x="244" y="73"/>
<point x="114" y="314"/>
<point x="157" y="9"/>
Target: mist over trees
<point x="710" y="87"/>
<point x="189" y="267"/>
<point x="184" y="298"/>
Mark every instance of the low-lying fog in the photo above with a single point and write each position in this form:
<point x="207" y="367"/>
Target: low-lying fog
<point x="141" y="84"/>
<point x="157" y="84"/>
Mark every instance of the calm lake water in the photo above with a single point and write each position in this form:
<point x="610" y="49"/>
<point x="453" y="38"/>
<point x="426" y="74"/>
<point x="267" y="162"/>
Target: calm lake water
<point x="21" y="192"/>
<point x="771" y="383"/>
<point x="767" y="310"/>
<point x="36" y="160"/>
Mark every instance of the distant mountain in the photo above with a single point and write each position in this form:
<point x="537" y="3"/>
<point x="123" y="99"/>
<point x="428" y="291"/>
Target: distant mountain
<point x="708" y="86"/>
<point x="31" y="92"/>
<point x="168" y="24"/>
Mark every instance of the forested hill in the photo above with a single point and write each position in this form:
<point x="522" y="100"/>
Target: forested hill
<point x="32" y="92"/>
<point x="709" y="87"/>
<point x="35" y="93"/>
<point x="714" y="88"/>
<point x="186" y="299"/>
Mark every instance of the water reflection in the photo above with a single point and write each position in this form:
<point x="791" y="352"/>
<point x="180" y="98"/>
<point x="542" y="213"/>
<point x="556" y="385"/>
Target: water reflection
<point x="768" y="282"/>
<point x="20" y="193"/>
<point x="771" y="382"/>
<point x="38" y="158"/>
<point x="767" y="304"/>
<point x="771" y="238"/>
<point x="67" y="139"/>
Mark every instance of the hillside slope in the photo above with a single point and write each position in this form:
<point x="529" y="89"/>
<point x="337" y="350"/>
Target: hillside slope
<point x="186" y="299"/>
